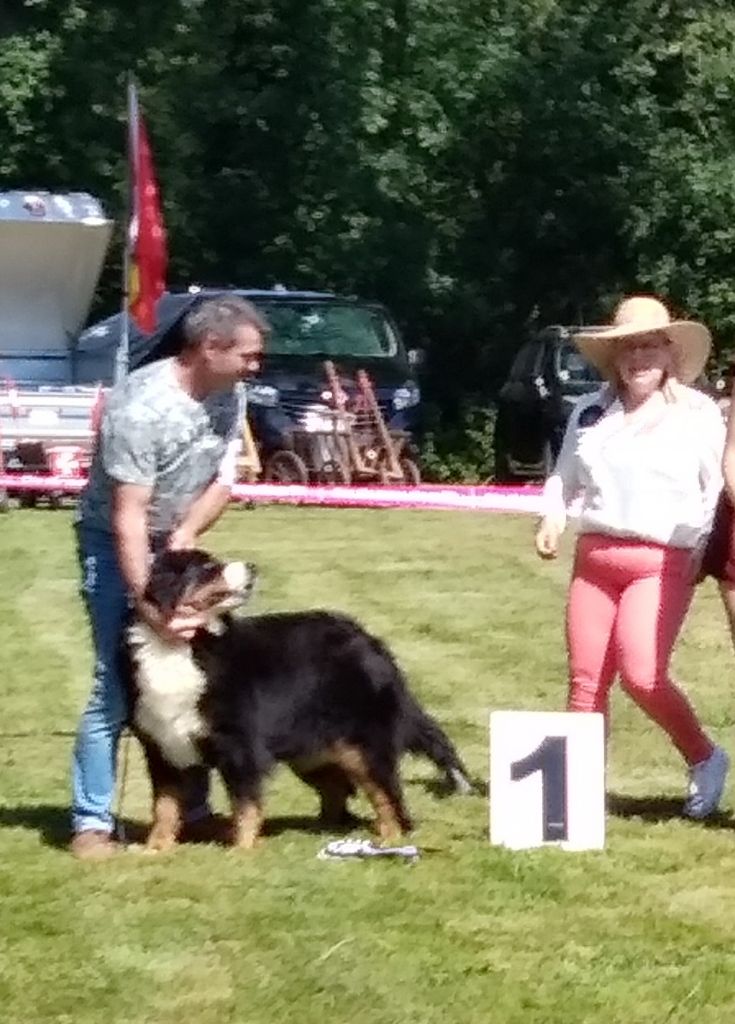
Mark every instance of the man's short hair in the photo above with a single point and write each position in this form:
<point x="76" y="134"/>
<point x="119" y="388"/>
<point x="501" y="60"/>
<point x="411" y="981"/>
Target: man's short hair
<point x="217" y="318"/>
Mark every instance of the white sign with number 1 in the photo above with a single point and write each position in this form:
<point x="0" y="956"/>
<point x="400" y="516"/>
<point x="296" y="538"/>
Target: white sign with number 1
<point x="547" y="779"/>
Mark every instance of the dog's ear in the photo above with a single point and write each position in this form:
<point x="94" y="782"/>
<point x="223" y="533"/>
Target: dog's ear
<point x="164" y="588"/>
<point x="174" y="572"/>
<point x="167" y="580"/>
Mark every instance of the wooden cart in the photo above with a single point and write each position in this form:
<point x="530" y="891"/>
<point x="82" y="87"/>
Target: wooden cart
<point x="248" y="463"/>
<point x="345" y="440"/>
<point x="369" y="451"/>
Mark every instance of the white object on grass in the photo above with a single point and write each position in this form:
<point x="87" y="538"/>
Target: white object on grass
<point x="341" y="849"/>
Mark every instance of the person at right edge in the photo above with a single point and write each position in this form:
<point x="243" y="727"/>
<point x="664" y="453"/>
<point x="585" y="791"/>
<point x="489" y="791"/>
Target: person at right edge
<point x="643" y="455"/>
<point x="719" y="558"/>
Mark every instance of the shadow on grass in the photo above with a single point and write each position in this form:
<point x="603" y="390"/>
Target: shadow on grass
<point x="659" y="808"/>
<point x="312" y="825"/>
<point x="51" y="822"/>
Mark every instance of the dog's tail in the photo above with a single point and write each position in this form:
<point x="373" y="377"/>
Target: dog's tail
<point x="423" y="735"/>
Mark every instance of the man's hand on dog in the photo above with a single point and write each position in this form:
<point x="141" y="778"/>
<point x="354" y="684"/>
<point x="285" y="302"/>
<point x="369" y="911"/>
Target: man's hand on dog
<point x="182" y="539"/>
<point x="175" y="630"/>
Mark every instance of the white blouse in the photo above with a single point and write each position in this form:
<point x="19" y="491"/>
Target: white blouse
<point x="652" y="475"/>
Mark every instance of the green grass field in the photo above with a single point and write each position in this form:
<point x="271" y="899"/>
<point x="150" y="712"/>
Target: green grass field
<point x="642" y="932"/>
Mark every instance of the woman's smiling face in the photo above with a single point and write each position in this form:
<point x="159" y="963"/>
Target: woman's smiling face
<point x="642" y="362"/>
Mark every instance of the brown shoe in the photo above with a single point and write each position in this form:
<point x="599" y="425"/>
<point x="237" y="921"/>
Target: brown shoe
<point x="93" y="844"/>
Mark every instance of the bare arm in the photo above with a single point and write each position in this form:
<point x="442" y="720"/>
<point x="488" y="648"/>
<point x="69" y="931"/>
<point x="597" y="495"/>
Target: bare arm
<point x="130" y="528"/>
<point x="559" y="489"/>
<point x="204" y="511"/>
<point x="210" y="504"/>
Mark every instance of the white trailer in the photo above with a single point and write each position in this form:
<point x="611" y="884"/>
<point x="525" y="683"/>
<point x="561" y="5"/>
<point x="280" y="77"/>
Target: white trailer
<point x="52" y="249"/>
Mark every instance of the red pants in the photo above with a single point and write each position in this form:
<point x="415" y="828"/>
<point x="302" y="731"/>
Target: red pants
<point x="627" y="602"/>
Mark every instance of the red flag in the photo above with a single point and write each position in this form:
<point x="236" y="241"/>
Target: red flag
<point x="147" y="255"/>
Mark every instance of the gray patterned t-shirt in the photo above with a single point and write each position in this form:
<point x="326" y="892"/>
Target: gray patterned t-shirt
<point x="155" y="434"/>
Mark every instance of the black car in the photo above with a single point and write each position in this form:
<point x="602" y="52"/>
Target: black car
<point x="306" y="329"/>
<point x="547" y="377"/>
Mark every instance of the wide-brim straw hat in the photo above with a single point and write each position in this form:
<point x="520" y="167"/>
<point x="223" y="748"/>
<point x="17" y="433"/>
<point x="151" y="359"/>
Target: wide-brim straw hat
<point x="642" y="314"/>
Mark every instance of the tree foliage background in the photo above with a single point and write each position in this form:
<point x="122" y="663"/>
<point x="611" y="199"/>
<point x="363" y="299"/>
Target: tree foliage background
<point x="482" y="166"/>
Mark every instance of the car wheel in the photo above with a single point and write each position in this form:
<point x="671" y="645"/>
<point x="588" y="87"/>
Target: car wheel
<point x="503" y="473"/>
<point x="286" y="467"/>
<point x="411" y="472"/>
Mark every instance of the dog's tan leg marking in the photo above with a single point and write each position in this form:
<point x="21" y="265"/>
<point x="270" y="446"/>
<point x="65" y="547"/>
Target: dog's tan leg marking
<point x="247" y="821"/>
<point x="387" y="818"/>
<point x="166" y="821"/>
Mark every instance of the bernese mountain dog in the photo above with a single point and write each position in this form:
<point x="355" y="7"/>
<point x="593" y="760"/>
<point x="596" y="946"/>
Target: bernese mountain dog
<point x="312" y="689"/>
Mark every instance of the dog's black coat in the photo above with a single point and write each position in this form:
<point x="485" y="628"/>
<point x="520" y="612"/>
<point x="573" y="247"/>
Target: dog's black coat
<point x="288" y="688"/>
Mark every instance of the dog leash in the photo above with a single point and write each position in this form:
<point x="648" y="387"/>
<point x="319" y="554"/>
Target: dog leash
<point x="119" y="824"/>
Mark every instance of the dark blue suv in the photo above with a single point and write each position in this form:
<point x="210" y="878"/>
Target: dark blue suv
<point x="307" y="328"/>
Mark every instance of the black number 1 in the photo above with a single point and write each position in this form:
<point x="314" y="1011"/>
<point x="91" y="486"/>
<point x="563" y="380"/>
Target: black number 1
<point x="549" y="758"/>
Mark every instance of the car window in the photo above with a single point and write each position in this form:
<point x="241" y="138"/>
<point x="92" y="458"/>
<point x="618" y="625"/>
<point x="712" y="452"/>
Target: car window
<point x="298" y="328"/>
<point x="572" y="366"/>
<point x="309" y="329"/>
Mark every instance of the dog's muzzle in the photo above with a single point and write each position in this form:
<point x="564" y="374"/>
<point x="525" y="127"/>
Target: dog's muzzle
<point x="240" y="577"/>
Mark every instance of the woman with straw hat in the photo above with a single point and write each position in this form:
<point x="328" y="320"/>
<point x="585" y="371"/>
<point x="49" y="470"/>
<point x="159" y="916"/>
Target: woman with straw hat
<point x="643" y="455"/>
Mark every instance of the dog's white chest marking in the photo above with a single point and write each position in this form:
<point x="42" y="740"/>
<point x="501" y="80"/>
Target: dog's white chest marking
<point x="169" y="687"/>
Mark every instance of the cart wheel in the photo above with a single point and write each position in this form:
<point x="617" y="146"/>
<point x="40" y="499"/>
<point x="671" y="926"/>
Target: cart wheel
<point x="27" y="500"/>
<point x="286" y="468"/>
<point x="334" y="473"/>
<point x="411" y="472"/>
<point x="4" y="502"/>
<point x="411" y="476"/>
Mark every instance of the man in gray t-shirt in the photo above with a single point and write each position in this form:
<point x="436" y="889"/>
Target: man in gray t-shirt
<point x="154" y="434"/>
<point x="161" y="474"/>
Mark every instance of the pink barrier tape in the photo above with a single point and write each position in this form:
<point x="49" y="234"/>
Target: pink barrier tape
<point x="494" y="499"/>
<point x="17" y="482"/>
<point x="427" y="496"/>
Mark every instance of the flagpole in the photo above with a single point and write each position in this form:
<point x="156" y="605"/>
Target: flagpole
<point x="122" y="356"/>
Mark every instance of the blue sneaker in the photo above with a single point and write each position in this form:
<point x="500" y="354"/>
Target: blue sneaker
<point x="706" y="783"/>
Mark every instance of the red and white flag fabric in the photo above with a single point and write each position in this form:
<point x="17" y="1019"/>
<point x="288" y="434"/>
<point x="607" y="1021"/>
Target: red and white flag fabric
<point x="146" y="254"/>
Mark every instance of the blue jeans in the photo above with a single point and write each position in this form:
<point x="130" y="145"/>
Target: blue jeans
<point x="103" y="720"/>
